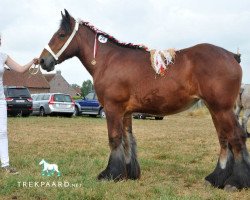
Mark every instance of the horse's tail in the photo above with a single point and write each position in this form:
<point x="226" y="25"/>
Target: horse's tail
<point x="237" y="57"/>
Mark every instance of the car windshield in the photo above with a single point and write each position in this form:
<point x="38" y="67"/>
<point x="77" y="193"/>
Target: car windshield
<point x="90" y="96"/>
<point x="62" y="98"/>
<point x="18" y="92"/>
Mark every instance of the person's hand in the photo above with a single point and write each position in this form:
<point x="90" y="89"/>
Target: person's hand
<point x="36" y="61"/>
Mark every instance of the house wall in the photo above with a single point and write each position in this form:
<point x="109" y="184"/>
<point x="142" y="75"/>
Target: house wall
<point x="59" y="84"/>
<point x="35" y="84"/>
<point x="38" y="90"/>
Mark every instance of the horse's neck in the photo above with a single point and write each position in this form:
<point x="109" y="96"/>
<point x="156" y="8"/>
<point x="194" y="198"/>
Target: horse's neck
<point x="45" y="164"/>
<point x="86" y="54"/>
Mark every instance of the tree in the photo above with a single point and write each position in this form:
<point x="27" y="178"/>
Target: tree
<point x="78" y="89"/>
<point x="87" y="86"/>
<point x="74" y="85"/>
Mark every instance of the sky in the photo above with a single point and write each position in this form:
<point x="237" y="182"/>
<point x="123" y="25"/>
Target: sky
<point x="27" y="26"/>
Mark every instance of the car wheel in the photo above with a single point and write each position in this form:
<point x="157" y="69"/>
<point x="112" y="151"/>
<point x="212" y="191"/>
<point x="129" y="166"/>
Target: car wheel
<point x="42" y="112"/>
<point x="136" y="116"/>
<point x="141" y="116"/>
<point x="76" y="112"/>
<point x="158" y="118"/>
<point x="69" y="115"/>
<point x="102" y="113"/>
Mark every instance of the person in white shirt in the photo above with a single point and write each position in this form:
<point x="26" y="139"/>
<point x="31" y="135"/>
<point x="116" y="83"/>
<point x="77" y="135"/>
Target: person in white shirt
<point x="4" y="154"/>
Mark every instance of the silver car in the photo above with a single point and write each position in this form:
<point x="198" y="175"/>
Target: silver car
<point x="53" y="104"/>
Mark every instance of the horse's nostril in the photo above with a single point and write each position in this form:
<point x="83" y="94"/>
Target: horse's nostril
<point x="41" y="61"/>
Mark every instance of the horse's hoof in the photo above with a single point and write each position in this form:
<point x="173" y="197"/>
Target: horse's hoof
<point x="107" y="176"/>
<point x="104" y="176"/>
<point x="101" y="177"/>
<point x="230" y="188"/>
<point x="207" y="184"/>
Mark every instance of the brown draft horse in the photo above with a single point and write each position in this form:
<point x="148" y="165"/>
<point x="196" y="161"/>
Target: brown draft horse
<point x="125" y="83"/>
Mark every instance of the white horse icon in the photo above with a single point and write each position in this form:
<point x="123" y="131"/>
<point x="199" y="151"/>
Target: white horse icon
<point x="49" y="168"/>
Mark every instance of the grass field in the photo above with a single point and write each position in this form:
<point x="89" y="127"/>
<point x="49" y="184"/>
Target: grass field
<point x="175" y="155"/>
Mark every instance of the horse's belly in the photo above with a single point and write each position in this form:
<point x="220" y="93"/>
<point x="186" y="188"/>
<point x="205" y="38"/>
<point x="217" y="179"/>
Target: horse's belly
<point x="162" y="105"/>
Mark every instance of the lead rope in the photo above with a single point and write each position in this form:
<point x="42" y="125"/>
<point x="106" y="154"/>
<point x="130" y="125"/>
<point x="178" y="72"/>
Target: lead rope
<point x="34" y="69"/>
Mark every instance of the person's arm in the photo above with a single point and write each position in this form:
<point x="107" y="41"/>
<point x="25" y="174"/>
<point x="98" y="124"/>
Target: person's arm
<point x="19" y="68"/>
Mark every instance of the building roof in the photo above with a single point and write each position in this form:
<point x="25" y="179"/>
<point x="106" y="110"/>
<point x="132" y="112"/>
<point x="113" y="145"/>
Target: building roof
<point x="49" y="77"/>
<point x="59" y="84"/>
<point x="13" y="78"/>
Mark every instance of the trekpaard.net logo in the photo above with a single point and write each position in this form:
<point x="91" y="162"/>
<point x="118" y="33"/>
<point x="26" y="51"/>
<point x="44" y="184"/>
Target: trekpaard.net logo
<point x="48" y="170"/>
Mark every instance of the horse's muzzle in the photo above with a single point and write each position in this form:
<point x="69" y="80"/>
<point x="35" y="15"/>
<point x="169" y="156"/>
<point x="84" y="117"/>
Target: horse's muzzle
<point x="48" y="64"/>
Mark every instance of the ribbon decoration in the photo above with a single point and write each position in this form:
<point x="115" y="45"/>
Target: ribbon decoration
<point x="93" y="62"/>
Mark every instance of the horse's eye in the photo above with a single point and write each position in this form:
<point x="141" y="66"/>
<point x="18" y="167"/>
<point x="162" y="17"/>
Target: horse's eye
<point x="61" y="35"/>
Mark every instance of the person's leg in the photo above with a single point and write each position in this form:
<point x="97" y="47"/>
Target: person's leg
<point x="4" y="154"/>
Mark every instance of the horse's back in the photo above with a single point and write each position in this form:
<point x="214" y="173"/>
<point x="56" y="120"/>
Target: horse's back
<point x="216" y="73"/>
<point x="210" y="61"/>
<point x="213" y="52"/>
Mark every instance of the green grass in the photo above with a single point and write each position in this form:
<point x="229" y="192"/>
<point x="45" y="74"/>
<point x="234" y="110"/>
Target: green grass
<point x="175" y="155"/>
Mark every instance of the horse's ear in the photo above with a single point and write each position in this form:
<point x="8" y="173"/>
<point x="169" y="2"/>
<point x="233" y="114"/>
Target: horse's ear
<point x="62" y="15"/>
<point x="67" y="15"/>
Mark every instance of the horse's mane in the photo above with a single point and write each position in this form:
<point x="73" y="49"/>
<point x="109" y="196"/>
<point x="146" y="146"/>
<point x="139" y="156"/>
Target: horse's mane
<point x="112" y="39"/>
<point x="65" y="25"/>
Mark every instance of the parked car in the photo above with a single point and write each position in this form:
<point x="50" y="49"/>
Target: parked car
<point x="90" y="105"/>
<point x="53" y="104"/>
<point x="145" y="115"/>
<point x="19" y="101"/>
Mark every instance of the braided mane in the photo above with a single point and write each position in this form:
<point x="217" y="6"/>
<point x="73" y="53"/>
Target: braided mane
<point x="111" y="38"/>
<point x="65" y="25"/>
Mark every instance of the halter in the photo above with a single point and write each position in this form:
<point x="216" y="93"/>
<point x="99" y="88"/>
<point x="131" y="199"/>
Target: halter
<point x="34" y="69"/>
<point x="56" y="56"/>
<point x="59" y="53"/>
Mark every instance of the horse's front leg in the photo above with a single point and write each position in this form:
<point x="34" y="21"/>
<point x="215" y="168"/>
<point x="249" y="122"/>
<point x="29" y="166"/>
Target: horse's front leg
<point x="132" y="165"/>
<point x="116" y="169"/>
<point x="44" y="172"/>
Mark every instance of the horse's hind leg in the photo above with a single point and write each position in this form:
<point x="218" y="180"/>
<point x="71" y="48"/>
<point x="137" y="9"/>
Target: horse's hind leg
<point x="233" y="167"/>
<point x="237" y="111"/>
<point x="245" y="120"/>
<point x="224" y="167"/>
<point x="132" y="165"/>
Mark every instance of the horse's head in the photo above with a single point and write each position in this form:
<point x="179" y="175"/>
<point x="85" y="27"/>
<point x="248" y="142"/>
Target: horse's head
<point x="61" y="44"/>
<point x="42" y="162"/>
